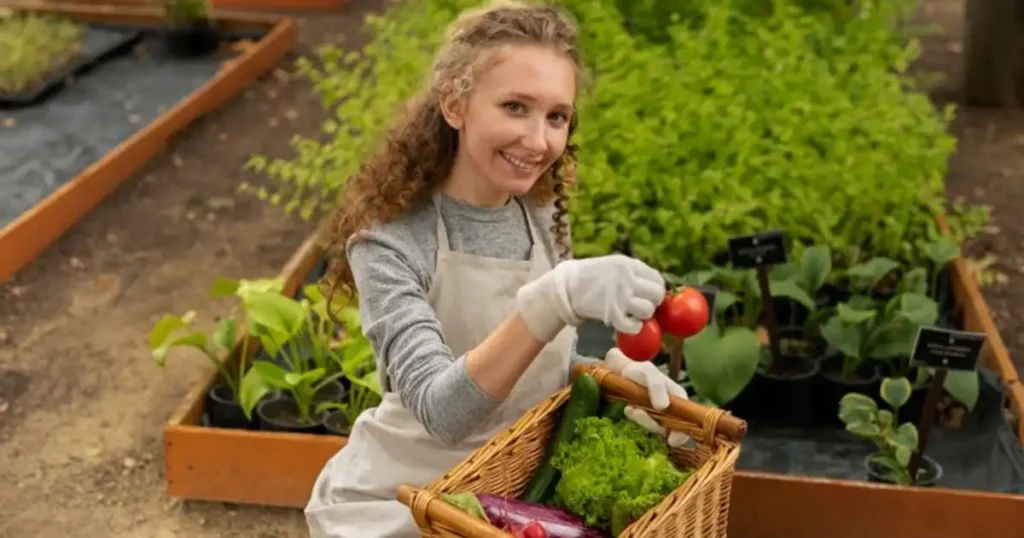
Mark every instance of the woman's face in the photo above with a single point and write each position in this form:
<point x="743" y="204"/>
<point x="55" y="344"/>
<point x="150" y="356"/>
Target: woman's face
<point x="515" y="123"/>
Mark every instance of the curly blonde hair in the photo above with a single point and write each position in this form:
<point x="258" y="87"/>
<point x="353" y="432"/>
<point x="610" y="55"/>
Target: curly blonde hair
<point x="419" y="150"/>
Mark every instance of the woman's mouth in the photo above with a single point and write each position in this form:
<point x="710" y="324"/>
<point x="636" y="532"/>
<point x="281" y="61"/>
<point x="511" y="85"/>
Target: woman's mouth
<point x="521" y="165"/>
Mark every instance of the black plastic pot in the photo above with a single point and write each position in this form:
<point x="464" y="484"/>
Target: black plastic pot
<point x="331" y="392"/>
<point x="335" y="423"/>
<point x="832" y="386"/>
<point x="194" y="39"/>
<point x="281" y="415"/>
<point x="224" y="412"/>
<point x="932" y="472"/>
<point x="782" y="396"/>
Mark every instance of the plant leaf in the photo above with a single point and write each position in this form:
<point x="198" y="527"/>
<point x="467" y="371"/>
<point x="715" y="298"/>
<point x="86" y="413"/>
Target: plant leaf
<point x="252" y="389"/>
<point x="854" y="316"/>
<point x="964" y="386"/>
<point x="896" y="391"/>
<point x="791" y="290"/>
<point x="225" y="332"/>
<point x="271" y="373"/>
<point x="906" y="435"/>
<point x="866" y="430"/>
<point x="918" y="309"/>
<point x="942" y="251"/>
<point x="815" y="266"/>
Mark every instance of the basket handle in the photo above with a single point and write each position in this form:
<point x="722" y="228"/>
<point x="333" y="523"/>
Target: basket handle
<point x="627" y="389"/>
<point x="427" y="506"/>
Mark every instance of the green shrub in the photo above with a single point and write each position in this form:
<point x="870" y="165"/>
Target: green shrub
<point x="730" y="124"/>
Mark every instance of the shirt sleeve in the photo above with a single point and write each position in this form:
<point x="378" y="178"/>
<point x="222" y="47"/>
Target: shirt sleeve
<point x="407" y="339"/>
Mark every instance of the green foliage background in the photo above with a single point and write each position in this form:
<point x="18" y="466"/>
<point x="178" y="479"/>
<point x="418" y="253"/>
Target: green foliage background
<point x="708" y="118"/>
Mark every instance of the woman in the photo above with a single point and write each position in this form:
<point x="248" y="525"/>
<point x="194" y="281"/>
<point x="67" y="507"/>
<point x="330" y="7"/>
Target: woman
<point x="454" y="232"/>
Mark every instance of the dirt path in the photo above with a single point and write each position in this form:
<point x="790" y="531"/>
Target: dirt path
<point x="81" y="404"/>
<point x="988" y="168"/>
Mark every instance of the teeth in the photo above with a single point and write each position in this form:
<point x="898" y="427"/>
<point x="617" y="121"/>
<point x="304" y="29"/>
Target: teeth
<point x="518" y="163"/>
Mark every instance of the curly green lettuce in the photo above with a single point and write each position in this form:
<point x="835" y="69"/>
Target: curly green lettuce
<point x="612" y="472"/>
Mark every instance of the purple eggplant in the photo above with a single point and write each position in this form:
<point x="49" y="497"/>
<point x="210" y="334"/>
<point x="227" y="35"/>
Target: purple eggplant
<point x="513" y="514"/>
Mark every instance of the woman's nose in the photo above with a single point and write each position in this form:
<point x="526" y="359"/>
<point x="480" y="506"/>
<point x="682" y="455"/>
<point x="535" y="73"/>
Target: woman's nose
<point x="534" y="138"/>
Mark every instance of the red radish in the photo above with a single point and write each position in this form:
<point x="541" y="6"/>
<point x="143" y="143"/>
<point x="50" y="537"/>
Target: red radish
<point x="684" y="313"/>
<point x="642" y="346"/>
<point x="513" y="515"/>
<point x="533" y="530"/>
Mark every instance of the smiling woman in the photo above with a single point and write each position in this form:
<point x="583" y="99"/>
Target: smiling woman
<point x="455" y="238"/>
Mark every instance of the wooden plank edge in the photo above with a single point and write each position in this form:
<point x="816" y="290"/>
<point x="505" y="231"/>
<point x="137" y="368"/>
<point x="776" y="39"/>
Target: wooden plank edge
<point x="768" y="505"/>
<point x="38" y="228"/>
<point x="138" y="14"/>
<point x="251" y="5"/>
<point x="296" y="460"/>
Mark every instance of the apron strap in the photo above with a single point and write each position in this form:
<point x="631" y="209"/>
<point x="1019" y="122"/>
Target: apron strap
<point x="442" y="231"/>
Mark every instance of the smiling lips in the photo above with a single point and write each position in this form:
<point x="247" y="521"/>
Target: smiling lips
<point x="519" y="164"/>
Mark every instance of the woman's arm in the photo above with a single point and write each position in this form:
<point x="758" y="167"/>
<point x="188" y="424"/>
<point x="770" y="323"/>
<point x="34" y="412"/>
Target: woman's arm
<point x="449" y="395"/>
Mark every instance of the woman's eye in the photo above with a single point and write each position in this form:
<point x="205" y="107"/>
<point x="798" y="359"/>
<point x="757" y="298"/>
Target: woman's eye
<point x="515" y="106"/>
<point x="558" y="118"/>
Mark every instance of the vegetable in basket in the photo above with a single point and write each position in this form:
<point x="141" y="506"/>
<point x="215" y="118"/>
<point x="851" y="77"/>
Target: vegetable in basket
<point x="613" y="472"/>
<point x="523" y="519"/>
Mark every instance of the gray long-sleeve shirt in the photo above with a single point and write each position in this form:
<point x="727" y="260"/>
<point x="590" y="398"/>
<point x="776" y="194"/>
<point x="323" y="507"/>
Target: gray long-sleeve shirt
<point x="393" y="264"/>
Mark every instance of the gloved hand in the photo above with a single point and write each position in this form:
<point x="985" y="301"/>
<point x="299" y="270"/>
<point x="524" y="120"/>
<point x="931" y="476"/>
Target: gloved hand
<point x="616" y="290"/>
<point x="659" y="388"/>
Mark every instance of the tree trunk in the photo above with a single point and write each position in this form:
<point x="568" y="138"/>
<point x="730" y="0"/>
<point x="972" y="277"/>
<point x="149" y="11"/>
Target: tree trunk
<point x="994" y="53"/>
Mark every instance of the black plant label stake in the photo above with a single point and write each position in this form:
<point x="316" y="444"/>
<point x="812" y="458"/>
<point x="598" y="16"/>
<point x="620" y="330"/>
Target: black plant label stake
<point x="675" y="356"/>
<point x="760" y="252"/>
<point x="943" y="350"/>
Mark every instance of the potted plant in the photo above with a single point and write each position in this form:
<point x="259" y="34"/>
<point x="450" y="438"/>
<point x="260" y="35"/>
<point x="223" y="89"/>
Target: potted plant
<point x="307" y="375"/>
<point x="810" y="273"/>
<point x="353" y="356"/>
<point x="189" y="32"/>
<point x="232" y="399"/>
<point x="862" y="335"/>
<point x="896" y="443"/>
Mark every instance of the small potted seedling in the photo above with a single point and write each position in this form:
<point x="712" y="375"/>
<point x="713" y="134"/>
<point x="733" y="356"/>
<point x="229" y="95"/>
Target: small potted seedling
<point x="239" y="388"/>
<point x="862" y="335"/>
<point x="353" y="355"/>
<point x="189" y="31"/>
<point x="896" y="442"/>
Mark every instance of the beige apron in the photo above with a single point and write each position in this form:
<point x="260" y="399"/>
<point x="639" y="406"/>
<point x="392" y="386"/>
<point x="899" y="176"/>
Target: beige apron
<point x="354" y="496"/>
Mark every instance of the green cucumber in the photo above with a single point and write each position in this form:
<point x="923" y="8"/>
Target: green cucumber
<point x="615" y="410"/>
<point x="584" y="400"/>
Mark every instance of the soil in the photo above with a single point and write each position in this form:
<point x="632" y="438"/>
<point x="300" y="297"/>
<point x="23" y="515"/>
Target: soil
<point x="73" y="357"/>
<point x="81" y="403"/>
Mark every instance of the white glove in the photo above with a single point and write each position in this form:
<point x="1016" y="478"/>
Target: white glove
<point x="659" y="388"/>
<point x="616" y="290"/>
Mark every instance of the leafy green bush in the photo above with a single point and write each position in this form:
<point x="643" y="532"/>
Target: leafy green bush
<point x="731" y="124"/>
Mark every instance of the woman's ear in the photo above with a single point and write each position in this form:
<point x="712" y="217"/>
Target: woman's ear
<point x="453" y="109"/>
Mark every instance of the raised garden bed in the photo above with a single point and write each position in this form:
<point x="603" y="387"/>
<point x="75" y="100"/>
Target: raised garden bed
<point x="56" y="164"/>
<point x="801" y="485"/>
<point x="255" y="5"/>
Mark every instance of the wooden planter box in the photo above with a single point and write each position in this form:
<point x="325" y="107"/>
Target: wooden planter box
<point x="37" y="228"/>
<point x="275" y="469"/>
<point x="246" y="5"/>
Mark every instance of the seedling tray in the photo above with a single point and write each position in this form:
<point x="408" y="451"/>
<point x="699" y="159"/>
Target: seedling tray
<point x="98" y="44"/>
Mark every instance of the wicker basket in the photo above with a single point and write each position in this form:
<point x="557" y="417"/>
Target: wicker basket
<point x="505" y="465"/>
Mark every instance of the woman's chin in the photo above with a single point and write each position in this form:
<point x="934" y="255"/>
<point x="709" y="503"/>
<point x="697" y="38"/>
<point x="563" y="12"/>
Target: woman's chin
<point x="516" y="186"/>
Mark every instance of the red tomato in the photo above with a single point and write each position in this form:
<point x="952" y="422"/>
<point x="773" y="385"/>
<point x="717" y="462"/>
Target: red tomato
<point x="642" y="346"/>
<point x="684" y="313"/>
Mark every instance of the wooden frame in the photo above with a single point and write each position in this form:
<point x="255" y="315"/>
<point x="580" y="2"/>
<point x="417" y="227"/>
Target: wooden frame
<point x="278" y="469"/>
<point x="36" y="229"/>
<point x="246" y="5"/>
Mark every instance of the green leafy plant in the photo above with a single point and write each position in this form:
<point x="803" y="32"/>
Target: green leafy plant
<point x="174" y="331"/>
<point x="896" y="443"/>
<point x="862" y="332"/>
<point x="720" y="362"/>
<point x="33" y="46"/>
<point x="727" y="123"/>
<point x="354" y="357"/>
<point x="739" y="292"/>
